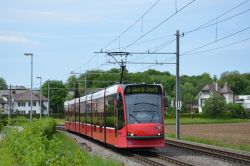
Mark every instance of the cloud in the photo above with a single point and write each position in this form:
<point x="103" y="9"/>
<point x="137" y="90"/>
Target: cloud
<point x="13" y="39"/>
<point x="57" y="17"/>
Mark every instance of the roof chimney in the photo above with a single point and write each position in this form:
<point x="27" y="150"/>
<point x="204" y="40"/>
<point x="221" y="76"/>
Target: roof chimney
<point x="216" y="86"/>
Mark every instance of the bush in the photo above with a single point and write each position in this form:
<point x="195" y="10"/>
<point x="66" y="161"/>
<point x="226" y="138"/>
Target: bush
<point x="1" y="126"/>
<point x="27" y="147"/>
<point x="214" y="107"/>
<point x="236" y="111"/>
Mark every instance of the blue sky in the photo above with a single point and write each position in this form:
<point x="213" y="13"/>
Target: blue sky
<point x="63" y="34"/>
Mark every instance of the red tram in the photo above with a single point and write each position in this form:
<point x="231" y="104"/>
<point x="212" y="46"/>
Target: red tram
<point x="124" y="115"/>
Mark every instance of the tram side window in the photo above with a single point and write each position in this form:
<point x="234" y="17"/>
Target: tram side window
<point x="110" y="115"/>
<point x="82" y="112"/>
<point x="120" y="107"/>
<point x="99" y="111"/>
<point x="94" y="112"/>
<point x="88" y="114"/>
<point x="66" y="112"/>
<point x="77" y="112"/>
<point x="70" y="112"/>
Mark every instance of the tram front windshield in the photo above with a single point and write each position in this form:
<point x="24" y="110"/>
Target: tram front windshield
<point x="143" y="108"/>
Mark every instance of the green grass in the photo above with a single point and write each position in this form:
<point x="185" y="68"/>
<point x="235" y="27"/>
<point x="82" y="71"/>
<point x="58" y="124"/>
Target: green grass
<point x="39" y="145"/>
<point x="171" y="121"/>
<point x="243" y="147"/>
<point x="60" y="121"/>
<point x="71" y="146"/>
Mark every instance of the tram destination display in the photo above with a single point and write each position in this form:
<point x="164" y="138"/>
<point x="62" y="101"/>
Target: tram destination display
<point x="132" y="89"/>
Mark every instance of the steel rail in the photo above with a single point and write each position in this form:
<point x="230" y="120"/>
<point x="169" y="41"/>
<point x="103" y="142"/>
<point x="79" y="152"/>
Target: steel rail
<point x="144" y="158"/>
<point x="232" y="156"/>
<point x="172" y="160"/>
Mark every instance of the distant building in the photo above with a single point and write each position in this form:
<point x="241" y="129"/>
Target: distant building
<point x="244" y="100"/>
<point x="212" y="89"/>
<point x="3" y="104"/>
<point x="21" y="103"/>
<point x="19" y="97"/>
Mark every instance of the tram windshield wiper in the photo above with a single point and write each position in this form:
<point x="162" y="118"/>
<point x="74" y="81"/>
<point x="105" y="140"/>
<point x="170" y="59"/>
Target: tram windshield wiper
<point x="146" y="103"/>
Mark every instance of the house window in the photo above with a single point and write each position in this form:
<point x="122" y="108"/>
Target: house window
<point x="203" y="102"/>
<point x="21" y="104"/>
<point x="34" y="103"/>
<point x="205" y="92"/>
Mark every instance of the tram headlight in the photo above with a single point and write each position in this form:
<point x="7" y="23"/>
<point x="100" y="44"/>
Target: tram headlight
<point x="159" y="134"/>
<point x="130" y="134"/>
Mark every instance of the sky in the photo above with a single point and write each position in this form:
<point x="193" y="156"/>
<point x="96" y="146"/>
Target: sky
<point x="64" y="34"/>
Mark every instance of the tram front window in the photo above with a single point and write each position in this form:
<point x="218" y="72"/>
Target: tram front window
<point x="143" y="108"/>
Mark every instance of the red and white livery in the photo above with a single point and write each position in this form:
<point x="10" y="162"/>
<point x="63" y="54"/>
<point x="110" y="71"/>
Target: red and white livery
<point x="124" y="115"/>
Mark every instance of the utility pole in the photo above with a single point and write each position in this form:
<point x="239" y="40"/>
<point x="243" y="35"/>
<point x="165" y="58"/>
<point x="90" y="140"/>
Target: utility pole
<point x="10" y="102"/>
<point x="48" y="97"/>
<point x="31" y="88"/>
<point x="123" y="66"/>
<point x="177" y="102"/>
<point x="40" y="100"/>
<point x="85" y="84"/>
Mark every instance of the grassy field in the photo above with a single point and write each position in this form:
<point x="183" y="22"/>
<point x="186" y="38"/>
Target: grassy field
<point x="243" y="147"/>
<point x="37" y="143"/>
<point x="70" y="145"/>
<point x="59" y="121"/>
<point x="171" y="121"/>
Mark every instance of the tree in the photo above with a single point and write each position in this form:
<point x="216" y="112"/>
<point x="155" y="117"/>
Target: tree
<point x="236" y="111"/>
<point x="58" y="93"/>
<point x="214" y="107"/>
<point x="235" y="81"/>
<point x="3" y="84"/>
<point x="187" y="93"/>
<point x="73" y="85"/>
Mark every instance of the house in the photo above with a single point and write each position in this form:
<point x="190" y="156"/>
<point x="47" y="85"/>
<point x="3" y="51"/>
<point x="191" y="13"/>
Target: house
<point x="20" y="101"/>
<point x="244" y="100"/>
<point x="212" y="89"/>
<point x="3" y="104"/>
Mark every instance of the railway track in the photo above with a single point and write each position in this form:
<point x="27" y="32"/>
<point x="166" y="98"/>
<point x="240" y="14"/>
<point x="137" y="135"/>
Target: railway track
<point x="156" y="159"/>
<point x="145" y="158"/>
<point x="218" y="153"/>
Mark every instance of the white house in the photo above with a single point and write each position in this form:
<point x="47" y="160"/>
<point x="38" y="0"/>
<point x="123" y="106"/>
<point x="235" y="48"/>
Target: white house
<point x="3" y="104"/>
<point x="244" y="100"/>
<point x="21" y="103"/>
<point x="211" y="89"/>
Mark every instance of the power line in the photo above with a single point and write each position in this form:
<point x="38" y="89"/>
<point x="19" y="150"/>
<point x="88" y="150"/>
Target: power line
<point x="126" y="30"/>
<point x="208" y="50"/>
<point x="205" y="25"/>
<point x="216" y="48"/>
<point x="146" y="41"/>
<point x="163" y="45"/>
<point x="225" y="37"/>
<point x="161" y="23"/>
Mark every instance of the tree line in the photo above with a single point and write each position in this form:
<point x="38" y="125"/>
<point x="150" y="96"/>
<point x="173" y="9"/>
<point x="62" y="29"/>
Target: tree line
<point x="190" y="85"/>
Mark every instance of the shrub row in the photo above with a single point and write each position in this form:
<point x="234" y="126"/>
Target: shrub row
<point x="54" y="115"/>
<point x="38" y="145"/>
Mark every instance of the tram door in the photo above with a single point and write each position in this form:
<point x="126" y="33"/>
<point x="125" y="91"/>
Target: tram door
<point x="120" y="122"/>
<point x="110" y="119"/>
